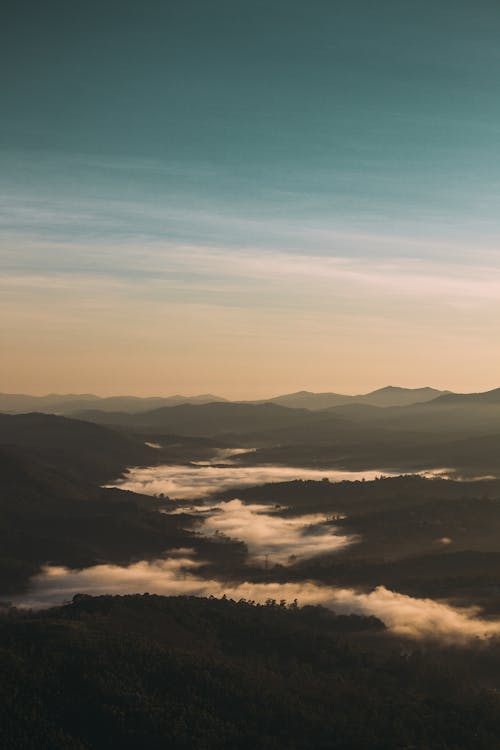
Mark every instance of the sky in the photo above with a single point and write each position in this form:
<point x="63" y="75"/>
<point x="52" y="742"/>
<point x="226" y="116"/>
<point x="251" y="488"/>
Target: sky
<point x="249" y="198"/>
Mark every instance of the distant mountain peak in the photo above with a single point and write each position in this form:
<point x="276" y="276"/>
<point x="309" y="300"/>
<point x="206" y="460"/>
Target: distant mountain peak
<point x="402" y="389"/>
<point x="389" y="395"/>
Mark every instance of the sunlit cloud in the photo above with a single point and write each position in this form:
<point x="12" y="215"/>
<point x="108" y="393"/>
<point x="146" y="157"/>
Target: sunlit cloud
<point x="171" y="265"/>
<point x="191" y="481"/>
<point x="360" y="321"/>
<point x="268" y="536"/>
<point x="403" y="615"/>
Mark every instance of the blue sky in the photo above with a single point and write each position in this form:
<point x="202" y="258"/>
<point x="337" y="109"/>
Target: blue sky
<point x="249" y="197"/>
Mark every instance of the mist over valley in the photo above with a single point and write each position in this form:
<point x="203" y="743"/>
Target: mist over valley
<point x="249" y="381"/>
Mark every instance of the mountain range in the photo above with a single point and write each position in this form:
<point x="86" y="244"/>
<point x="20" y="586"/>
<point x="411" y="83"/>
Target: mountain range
<point x="385" y="429"/>
<point x="70" y="404"/>
<point x="53" y="403"/>
<point x="388" y="396"/>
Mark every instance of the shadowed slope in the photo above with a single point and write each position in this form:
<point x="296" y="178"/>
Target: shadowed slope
<point x="89" y="451"/>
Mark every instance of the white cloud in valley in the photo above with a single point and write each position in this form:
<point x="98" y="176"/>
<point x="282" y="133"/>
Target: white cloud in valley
<point x="271" y="536"/>
<point x="191" y="481"/>
<point x="403" y="615"/>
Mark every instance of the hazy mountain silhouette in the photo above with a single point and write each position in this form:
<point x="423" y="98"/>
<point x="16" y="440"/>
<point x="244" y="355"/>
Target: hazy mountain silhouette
<point x="135" y="404"/>
<point x="22" y="402"/>
<point x="468" y="399"/>
<point x="212" y="419"/>
<point x="436" y="433"/>
<point x="388" y="396"/>
<point x="309" y="400"/>
<point x="446" y="414"/>
<point x="396" y="396"/>
<point x="444" y="417"/>
<point x="89" y="451"/>
<point x="70" y="403"/>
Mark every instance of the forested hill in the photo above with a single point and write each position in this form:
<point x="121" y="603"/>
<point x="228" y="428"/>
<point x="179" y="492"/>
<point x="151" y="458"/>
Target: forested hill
<point x="206" y="674"/>
<point x="48" y="515"/>
<point x="88" y="451"/>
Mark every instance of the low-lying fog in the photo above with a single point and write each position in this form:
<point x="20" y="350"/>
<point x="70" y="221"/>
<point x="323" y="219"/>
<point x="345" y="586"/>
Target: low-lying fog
<point x="269" y="537"/>
<point x="403" y="615"/>
<point x="185" y="482"/>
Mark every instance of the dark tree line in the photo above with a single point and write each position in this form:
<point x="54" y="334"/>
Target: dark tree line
<point x="156" y="672"/>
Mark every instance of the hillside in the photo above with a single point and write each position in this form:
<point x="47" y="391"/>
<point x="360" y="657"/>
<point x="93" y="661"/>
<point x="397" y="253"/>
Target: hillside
<point x="388" y="396"/>
<point x="48" y="515"/>
<point x="90" y="452"/>
<point x="212" y="419"/>
<point x="469" y="399"/>
<point x="450" y="415"/>
<point x="396" y="396"/>
<point x="309" y="400"/>
<point x="208" y="674"/>
<point x="70" y="403"/>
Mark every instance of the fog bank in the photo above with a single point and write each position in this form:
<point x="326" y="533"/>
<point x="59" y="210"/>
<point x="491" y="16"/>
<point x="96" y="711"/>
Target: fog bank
<point x="270" y="536"/>
<point x="403" y="615"/>
<point x="186" y="482"/>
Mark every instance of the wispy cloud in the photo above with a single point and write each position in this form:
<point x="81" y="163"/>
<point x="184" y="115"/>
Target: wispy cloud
<point x="175" y="305"/>
<point x="162" y="265"/>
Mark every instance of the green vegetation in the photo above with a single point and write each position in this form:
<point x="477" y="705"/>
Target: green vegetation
<point x="424" y="537"/>
<point x="154" y="672"/>
<point x="46" y="514"/>
<point x="89" y="452"/>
